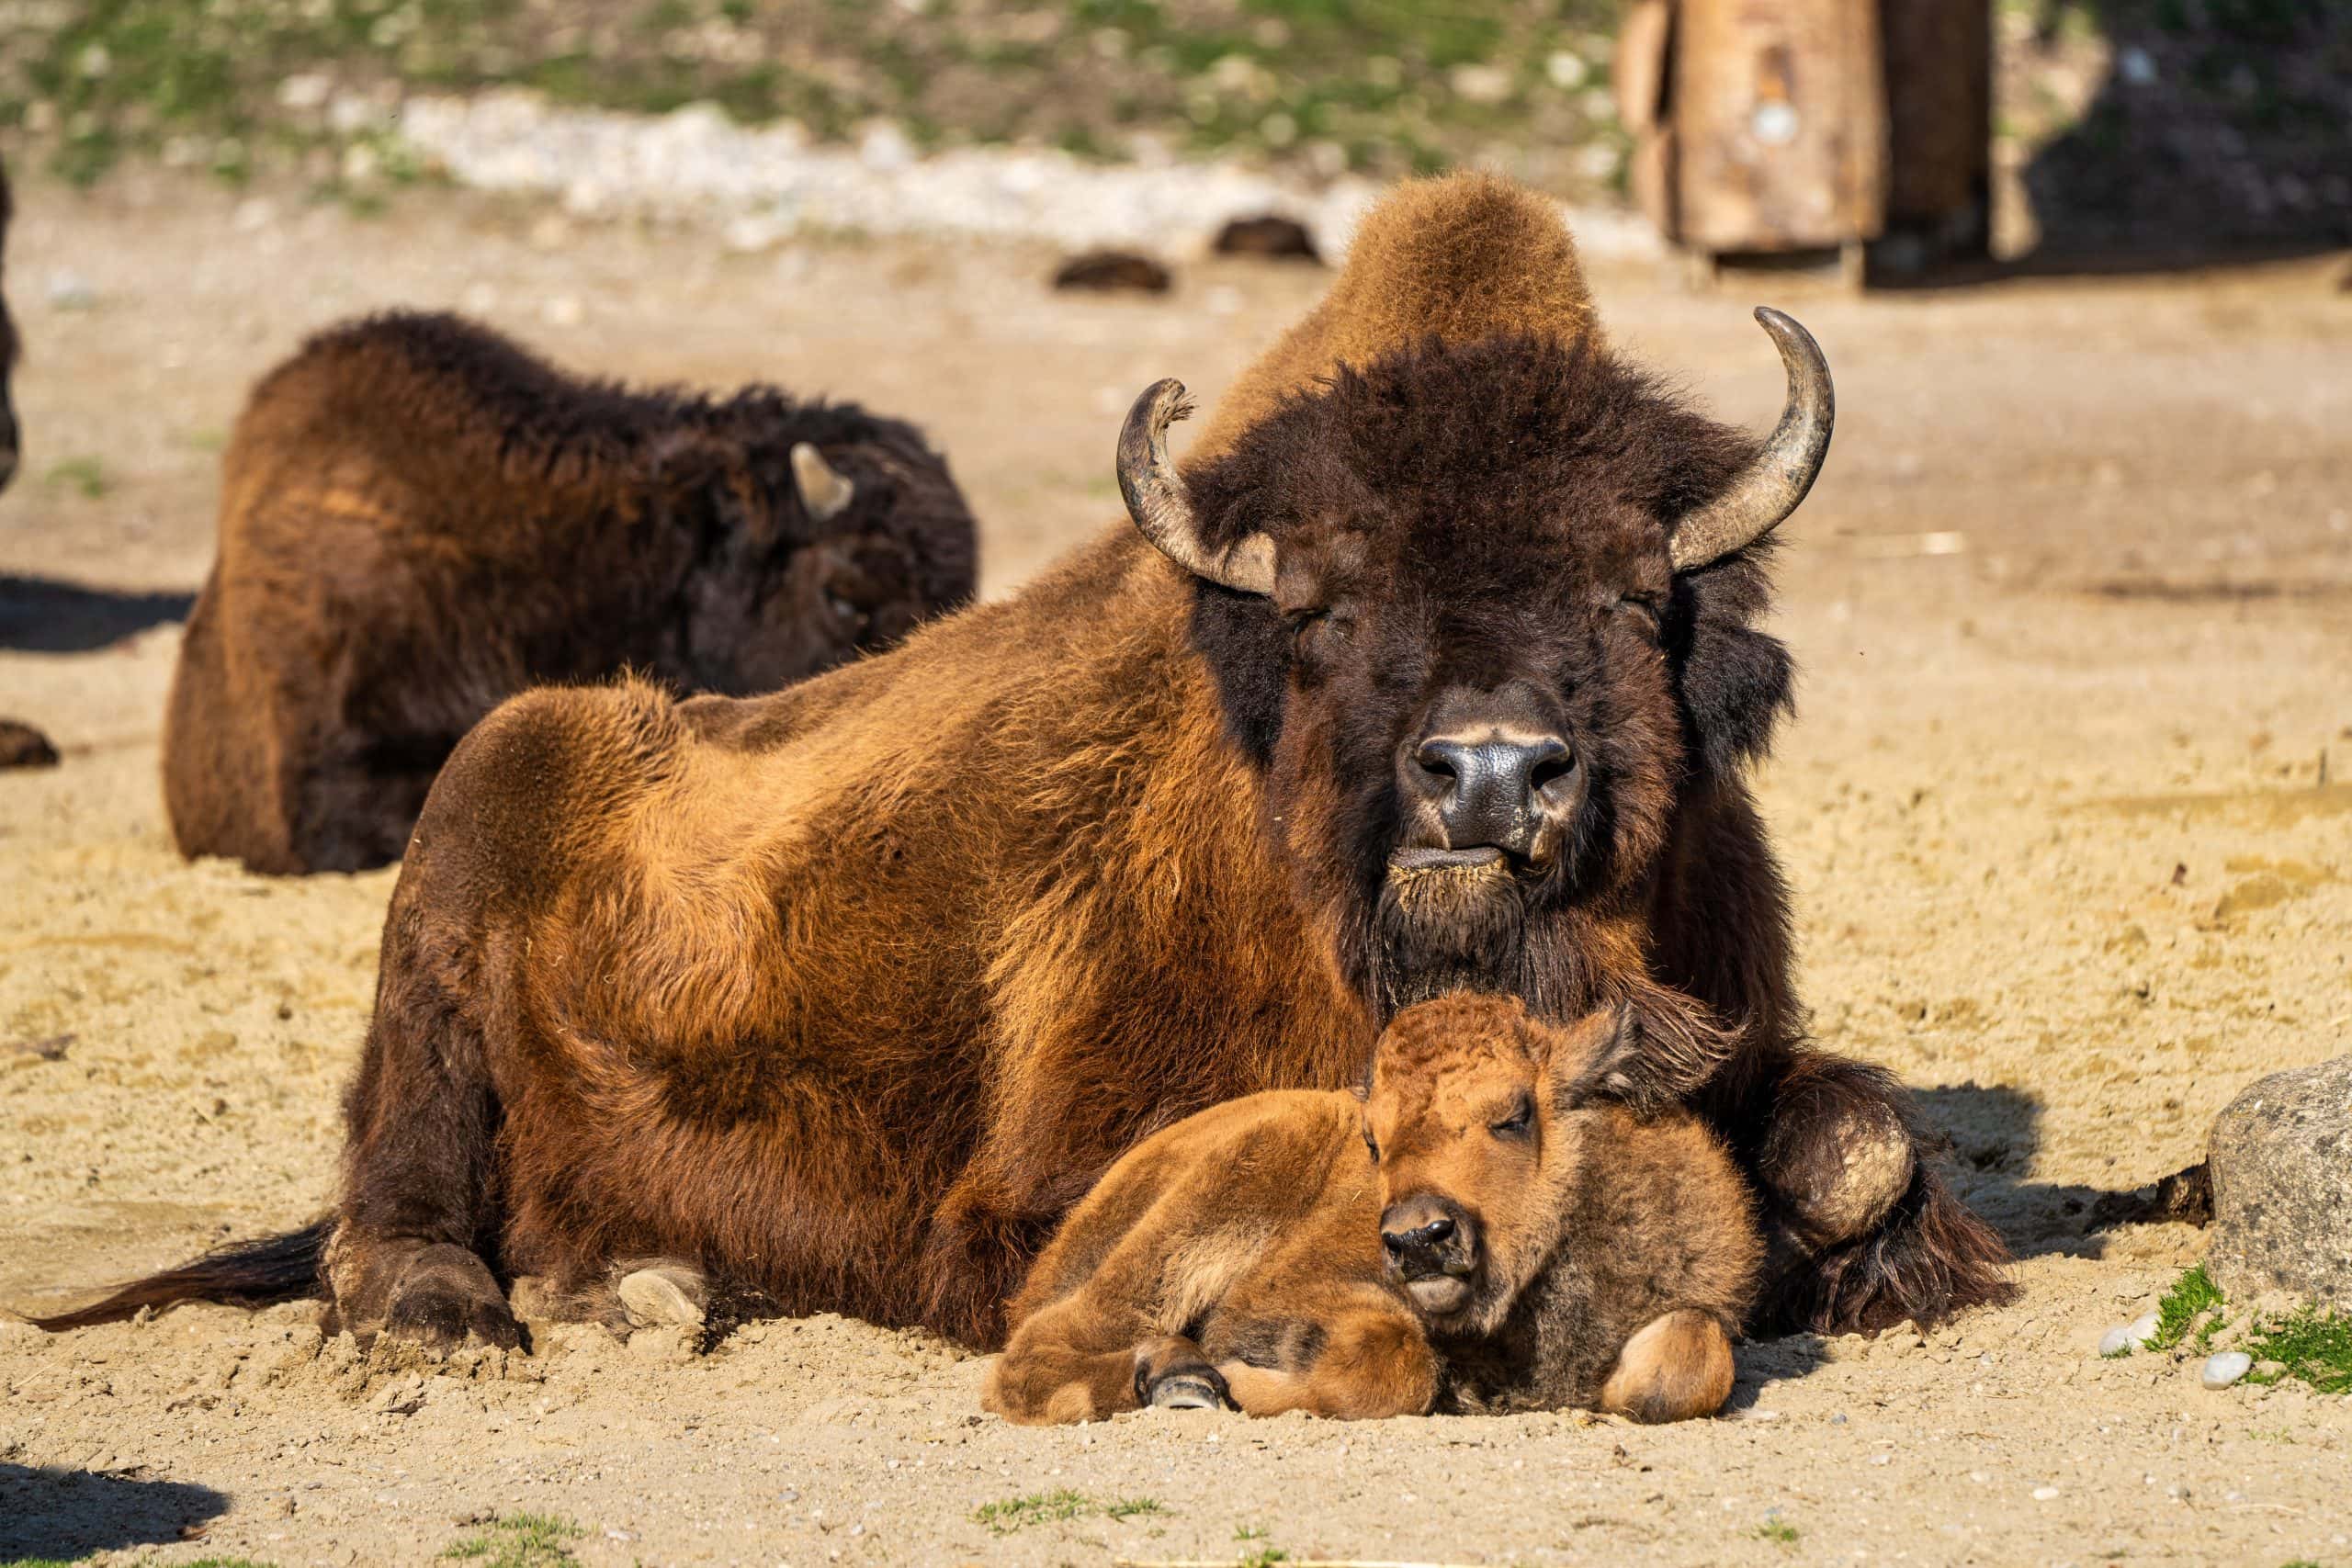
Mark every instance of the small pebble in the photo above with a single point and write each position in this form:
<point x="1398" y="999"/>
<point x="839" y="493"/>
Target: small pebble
<point x="2131" y="1336"/>
<point x="2044" y="1494"/>
<point x="2225" y="1368"/>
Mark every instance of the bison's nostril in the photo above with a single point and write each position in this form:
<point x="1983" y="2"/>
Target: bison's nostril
<point x="1552" y="767"/>
<point x="1437" y="762"/>
<point x="1428" y="1235"/>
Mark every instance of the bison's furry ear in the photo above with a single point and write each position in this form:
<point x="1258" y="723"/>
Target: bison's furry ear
<point x="1735" y="682"/>
<point x="1662" y="1047"/>
<point x="696" y="472"/>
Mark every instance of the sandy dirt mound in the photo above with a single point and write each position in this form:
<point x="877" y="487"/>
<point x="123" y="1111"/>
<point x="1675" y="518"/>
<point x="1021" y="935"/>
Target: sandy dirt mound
<point x="2074" y="604"/>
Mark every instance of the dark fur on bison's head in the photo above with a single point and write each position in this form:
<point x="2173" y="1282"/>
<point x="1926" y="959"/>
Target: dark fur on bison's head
<point x="1482" y="529"/>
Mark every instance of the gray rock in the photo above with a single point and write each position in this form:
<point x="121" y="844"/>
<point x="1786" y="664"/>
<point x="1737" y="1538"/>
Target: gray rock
<point x="2281" y="1159"/>
<point x="2225" y="1368"/>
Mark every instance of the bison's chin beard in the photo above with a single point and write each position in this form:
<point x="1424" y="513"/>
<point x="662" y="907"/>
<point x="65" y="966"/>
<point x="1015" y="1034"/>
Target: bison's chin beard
<point x="1448" y="921"/>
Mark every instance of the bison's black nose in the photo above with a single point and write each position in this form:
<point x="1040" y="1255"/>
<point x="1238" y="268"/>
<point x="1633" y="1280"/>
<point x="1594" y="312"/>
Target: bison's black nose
<point x="1493" y="788"/>
<point x="1418" y="1239"/>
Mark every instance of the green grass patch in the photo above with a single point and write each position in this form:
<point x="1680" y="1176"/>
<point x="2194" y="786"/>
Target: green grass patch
<point x="2309" y="1346"/>
<point x="1014" y="1514"/>
<point x="1386" y="85"/>
<point x="86" y="477"/>
<point x="2314" y="1347"/>
<point x="2193" y="1292"/>
<point x="520" y="1540"/>
<point x="1780" y="1533"/>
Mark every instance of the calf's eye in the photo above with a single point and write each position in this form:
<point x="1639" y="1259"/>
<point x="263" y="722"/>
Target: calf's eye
<point x="1522" y="1118"/>
<point x="1370" y="1146"/>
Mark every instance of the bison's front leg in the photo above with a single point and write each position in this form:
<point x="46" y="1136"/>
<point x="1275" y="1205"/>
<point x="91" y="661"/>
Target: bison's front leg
<point x="1864" y="1233"/>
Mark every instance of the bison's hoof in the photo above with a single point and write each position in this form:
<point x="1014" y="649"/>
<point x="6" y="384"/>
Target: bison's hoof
<point x="665" y="1297"/>
<point x="445" y="1296"/>
<point x="1200" y="1388"/>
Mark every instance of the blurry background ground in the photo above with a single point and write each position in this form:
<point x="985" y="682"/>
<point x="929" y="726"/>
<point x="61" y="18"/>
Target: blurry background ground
<point x="2073" y="604"/>
<point x="2125" y="128"/>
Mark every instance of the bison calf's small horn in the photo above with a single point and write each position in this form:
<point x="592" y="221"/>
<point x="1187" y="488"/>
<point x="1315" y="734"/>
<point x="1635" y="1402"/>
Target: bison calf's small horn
<point x="1776" y="483"/>
<point x="825" y="493"/>
<point x="1156" y="498"/>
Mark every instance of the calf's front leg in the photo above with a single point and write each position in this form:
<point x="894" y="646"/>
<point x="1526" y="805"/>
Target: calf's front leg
<point x="1359" y="1363"/>
<point x="1676" y="1366"/>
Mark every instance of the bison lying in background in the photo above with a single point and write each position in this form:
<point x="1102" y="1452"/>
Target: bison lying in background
<point x="1482" y="1228"/>
<point x="1438" y="671"/>
<point x="418" y="520"/>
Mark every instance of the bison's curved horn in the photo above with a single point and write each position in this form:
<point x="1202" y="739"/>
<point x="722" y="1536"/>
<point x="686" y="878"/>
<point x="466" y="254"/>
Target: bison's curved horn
<point x="1777" y="481"/>
<point x="1156" y="498"/>
<point x="823" y="490"/>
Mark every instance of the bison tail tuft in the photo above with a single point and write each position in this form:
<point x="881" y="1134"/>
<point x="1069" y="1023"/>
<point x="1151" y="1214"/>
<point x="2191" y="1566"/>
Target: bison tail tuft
<point x="1930" y="1260"/>
<point x="245" y="1273"/>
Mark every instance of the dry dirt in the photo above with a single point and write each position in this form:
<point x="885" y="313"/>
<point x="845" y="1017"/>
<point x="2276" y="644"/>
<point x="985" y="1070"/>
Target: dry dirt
<point x="2074" y="608"/>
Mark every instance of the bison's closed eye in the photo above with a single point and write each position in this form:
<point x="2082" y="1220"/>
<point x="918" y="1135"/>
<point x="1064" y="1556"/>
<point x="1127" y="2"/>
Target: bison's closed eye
<point x="1371" y="1145"/>
<point x="1518" y="1123"/>
<point x="1647" y="608"/>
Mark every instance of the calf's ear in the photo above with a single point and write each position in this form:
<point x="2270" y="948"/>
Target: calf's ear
<point x="1661" y="1047"/>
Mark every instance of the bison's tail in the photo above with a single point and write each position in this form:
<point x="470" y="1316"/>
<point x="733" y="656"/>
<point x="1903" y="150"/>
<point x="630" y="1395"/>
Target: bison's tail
<point x="246" y="1273"/>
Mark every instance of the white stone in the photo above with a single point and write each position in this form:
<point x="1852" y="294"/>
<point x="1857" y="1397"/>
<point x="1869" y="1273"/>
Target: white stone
<point x="1480" y="84"/>
<point x="2225" y="1368"/>
<point x="303" y="91"/>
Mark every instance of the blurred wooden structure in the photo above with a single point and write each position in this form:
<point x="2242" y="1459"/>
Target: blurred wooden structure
<point x="1798" y="125"/>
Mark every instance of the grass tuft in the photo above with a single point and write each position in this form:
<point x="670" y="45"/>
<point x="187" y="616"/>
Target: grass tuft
<point x="2313" y="1347"/>
<point x="520" y="1540"/>
<point x="86" y="477"/>
<point x="2310" y="1346"/>
<point x="1052" y="1507"/>
<point x="1780" y="1533"/>
<point x="2193" y="1292"/>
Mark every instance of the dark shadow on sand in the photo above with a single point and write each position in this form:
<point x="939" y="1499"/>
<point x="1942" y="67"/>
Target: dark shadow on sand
<point x="67" y="1514"/>
<point x="40" y="614"/>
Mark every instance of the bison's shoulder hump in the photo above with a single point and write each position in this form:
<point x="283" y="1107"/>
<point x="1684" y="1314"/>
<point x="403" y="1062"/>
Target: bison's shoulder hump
<point x="536" y="778"/>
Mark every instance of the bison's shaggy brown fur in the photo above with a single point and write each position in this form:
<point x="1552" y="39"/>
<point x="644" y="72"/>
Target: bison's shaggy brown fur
<point x="419" y="519"/>
<point x="848" y="992"/>
<point x="1483" y="1228"/>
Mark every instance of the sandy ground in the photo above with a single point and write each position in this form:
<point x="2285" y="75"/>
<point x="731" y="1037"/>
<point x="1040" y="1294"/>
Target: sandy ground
<point x="2074" y="608"/>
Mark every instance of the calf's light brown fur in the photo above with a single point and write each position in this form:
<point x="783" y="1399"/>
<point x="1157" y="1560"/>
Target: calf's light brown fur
<point x="1239" y="1255"/>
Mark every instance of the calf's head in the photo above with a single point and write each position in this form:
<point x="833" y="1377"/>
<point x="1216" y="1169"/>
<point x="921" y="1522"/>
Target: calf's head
<point x="1479" y="611"/>
<point x="1480" y="1121"/>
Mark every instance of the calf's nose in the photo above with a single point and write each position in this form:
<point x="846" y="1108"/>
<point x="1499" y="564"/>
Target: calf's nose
<point x="1491" y="789"/>
<point x="1418" y="1239"/>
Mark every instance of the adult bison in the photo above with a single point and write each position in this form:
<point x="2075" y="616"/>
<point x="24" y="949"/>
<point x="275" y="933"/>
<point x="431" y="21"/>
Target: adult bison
<point x="419" y="519"/>
<point x="1442" y="673"/>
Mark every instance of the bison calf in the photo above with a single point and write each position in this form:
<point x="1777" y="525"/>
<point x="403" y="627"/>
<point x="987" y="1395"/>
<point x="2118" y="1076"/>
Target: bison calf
<point x="1487" y="1227"/>
<point x="419" y="519"/>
